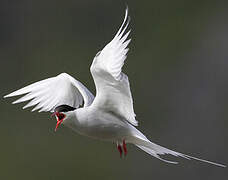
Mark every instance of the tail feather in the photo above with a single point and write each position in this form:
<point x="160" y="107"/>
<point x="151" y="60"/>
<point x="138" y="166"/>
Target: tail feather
<point x="156" y="150"/>
<point x="153" y="153"/>
<point x="203" y="160"/>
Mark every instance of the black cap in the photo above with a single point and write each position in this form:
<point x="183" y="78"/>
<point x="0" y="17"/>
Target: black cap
<point x="64" y="108"/>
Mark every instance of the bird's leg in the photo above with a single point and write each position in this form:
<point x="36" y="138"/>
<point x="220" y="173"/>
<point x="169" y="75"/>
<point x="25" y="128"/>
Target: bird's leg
<point x="124" y="148"/>
<point x="119" y="149"/>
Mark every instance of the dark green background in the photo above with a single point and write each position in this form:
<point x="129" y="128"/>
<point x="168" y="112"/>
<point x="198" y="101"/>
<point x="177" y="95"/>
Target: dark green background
<point x="177" y="66"/>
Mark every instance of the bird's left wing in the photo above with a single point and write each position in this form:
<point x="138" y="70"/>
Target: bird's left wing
<point x="49" y="93"/>
<point x="112" y="86"/>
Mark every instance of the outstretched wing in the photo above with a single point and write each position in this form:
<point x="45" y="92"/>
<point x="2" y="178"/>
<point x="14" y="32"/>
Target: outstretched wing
<point x="112" y="85"/>
<point x="52" y="92"/>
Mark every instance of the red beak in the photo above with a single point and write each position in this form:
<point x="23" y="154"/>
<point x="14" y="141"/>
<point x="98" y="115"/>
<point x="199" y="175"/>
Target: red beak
<point x="59" y="117"/>
<point x="57" y="124"/>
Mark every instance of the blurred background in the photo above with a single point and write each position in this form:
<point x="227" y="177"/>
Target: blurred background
<point x="178" y="70"/>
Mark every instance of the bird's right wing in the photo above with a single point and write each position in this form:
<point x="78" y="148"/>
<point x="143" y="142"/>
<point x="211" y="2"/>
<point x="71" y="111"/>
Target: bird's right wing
<point x="52" y="92"/>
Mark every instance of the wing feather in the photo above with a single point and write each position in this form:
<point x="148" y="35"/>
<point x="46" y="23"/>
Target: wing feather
<point x="47" y="94"/>
<point x="112" y="85"/>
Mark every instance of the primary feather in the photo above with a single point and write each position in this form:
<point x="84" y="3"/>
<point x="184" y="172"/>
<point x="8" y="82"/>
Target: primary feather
<point x="47" y="94"/>
<point x="112" y="85"/>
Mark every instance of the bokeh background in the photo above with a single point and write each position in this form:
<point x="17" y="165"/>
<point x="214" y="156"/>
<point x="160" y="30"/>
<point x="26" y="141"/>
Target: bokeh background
<point x="178" y="70"/>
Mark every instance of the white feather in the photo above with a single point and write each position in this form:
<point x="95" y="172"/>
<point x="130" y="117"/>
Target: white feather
<point x="51" y="92"/>
<point x="112" y="86"/>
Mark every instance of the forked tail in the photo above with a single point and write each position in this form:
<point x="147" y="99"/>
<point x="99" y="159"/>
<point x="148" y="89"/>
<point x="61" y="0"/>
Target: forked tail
<point x="156" y="150"/>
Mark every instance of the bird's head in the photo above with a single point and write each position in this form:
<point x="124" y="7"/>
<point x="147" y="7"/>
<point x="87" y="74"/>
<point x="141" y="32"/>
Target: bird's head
<point x="62" y="113"/>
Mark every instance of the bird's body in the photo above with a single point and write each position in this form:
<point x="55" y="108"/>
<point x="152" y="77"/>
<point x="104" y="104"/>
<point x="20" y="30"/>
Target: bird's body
<point x="109" y="115"/>
<point x="96" y="123"/>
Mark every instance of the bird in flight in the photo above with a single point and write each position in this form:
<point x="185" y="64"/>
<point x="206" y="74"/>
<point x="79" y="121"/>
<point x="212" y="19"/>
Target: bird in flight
<point x="107" y="116"/>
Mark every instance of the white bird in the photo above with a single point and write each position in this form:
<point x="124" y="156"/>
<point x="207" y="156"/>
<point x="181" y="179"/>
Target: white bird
<point x="108" y="116"/>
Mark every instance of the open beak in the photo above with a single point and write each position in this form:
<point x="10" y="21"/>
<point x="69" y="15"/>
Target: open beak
<point x="58" y="123"/>
<point x="59" y="118"/>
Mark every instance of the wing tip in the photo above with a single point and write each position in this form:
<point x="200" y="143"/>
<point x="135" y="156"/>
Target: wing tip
<point x="126" y="17"/>
<point x="126" y="9"/>
<point x="15" y="93"/>
<point x="8" y="95"/>
<point x="15" y="102"/>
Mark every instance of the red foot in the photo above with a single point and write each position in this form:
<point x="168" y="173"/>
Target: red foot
<point x="119" y="149"/>
<point x="124" y="148"/>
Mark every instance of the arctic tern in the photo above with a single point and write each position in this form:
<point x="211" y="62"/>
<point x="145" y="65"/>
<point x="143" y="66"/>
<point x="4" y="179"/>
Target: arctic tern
<point x="107" y="116"/>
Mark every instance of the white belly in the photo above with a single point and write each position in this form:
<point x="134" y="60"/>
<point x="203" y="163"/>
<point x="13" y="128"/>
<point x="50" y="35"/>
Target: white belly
<point x="101" y="125"/>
